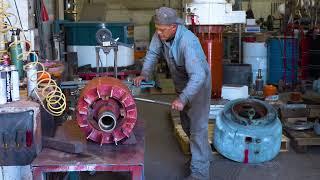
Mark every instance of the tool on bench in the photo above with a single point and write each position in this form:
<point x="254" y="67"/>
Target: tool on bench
<point x="143" y="84"/>
<point x="75" y="147"/>
<point x="73" y="84"/>
<point x="49" y="126"/>
<point x="146" y="84"/>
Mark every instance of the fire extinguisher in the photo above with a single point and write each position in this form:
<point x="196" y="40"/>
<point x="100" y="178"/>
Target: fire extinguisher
<point x="44" y="12"/>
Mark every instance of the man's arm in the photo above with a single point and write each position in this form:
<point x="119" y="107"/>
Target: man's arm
<point x="196" y="69"/>
<point x="152" y="56"/>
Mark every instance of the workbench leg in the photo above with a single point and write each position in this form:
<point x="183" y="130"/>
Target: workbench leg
<point x="137" y="173"/>
<point x="37" y="174"/>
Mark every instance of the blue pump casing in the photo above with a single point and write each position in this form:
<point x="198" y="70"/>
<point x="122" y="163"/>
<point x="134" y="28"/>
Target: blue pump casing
<point x="260" y="136"/>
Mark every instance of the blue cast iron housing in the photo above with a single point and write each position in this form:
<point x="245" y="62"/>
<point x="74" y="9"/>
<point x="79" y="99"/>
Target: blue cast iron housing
<point x="248" y="130"/>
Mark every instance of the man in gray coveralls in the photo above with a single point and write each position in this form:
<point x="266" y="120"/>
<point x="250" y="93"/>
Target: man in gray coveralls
<point x="191" y="76"/>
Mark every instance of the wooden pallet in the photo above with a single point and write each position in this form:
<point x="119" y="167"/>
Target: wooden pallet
<point x="302" y="140"/>
<point x="184" y="140"/>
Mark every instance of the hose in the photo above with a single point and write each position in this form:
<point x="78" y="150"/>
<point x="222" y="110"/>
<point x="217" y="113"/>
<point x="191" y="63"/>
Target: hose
<point x="4" y="26"/>
<point x="47" y="91"/>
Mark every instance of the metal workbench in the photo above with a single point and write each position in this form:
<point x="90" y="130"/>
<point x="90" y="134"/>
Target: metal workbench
<point x="121" y="158"/>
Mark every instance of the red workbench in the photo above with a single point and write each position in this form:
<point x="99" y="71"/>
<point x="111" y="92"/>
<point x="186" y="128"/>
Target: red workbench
<point x="121" y="158"/>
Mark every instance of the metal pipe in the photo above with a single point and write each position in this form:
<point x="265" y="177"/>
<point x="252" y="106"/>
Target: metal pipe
<point x="97" y="60"/>
<point x="240" y="48"/>
<point x="153" y="101"/>
<point x="107" y="121"/>
<point x="115" y="62"/>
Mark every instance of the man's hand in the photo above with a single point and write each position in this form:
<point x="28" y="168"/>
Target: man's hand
<point x="177" y="105"/>
<point x="137" y="80"/>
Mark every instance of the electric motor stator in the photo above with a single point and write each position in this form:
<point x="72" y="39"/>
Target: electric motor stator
<point x="248" y="130"/>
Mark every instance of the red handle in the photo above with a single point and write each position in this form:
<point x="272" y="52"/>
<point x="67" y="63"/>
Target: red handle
<point x="246" y="156"/>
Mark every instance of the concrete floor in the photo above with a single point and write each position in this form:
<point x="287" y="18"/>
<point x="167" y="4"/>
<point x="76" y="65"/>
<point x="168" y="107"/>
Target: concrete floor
<point x="165" y="161"/>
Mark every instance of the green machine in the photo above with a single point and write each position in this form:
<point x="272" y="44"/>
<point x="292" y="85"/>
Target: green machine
<point x="84" y="33"/>
<point x="80" y="37"/>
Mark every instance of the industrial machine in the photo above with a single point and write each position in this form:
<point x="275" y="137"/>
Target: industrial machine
<point x="80" y="37"/>
<point x="248" y="131"/>
<point x="107" y="44"/>
<point x="207" y="19"/>
<point x="106" y="111"/>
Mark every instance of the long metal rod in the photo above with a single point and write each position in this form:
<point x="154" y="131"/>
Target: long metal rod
<point x="115" y="50"/>
<point x="240" y="41"/>
<point x="153" y="101"/>
<point x="97" y="61"/>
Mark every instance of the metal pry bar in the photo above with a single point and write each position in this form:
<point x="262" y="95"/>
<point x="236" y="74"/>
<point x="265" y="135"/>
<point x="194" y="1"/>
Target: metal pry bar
<point x="153" y="101"/>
